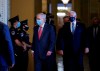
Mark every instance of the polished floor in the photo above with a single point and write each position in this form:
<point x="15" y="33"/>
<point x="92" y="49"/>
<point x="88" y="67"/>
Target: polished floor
<point x="60" y="63"/>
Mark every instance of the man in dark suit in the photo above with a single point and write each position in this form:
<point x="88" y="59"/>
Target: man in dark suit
<point x="60" y="51"/>
<point x="93" y="38"/>
<point x="6" y="49"/>
<point x="43" y="45"/>
<point x="72" y="42"/>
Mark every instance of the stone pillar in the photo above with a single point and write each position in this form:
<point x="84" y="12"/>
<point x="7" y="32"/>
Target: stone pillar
<point x="85" y="7"/>
<point x="82" y="9"/>
<point x="4" y="11"/>
<point x="54" y="10"/>
<point x="38" y="6"/>
<point x="94" y="8"/>
<point x="44" y="5"/>
<point x="76" y="6"/>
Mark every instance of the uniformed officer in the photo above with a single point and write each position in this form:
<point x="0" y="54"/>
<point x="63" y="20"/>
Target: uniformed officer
<point x="25" y="40"/>
<point x="24" y="28"/>
<point x="19" y="47"/>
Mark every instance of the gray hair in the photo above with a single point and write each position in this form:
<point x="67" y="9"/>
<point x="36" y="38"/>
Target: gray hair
<point x="74" y="13"/>
<point x="42" y="15"/>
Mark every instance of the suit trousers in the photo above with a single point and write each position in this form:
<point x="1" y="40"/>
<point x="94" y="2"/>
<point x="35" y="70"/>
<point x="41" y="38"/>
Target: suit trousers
<point x="48" y="64"/>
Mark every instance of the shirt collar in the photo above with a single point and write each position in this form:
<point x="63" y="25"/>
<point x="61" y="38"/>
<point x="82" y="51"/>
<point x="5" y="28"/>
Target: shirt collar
<point x="71" y="25"/>
<point x="43" y="25"/>
<point x="74" y="22"/>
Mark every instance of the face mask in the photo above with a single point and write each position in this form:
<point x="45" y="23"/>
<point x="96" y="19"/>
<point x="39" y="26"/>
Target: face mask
<point x="18" y="24"/>
<point x="72" y="19"/>
<point x="39" y="22"/>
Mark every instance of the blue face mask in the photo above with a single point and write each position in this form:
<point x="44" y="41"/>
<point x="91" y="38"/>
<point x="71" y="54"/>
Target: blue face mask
<point x="18" y="24"/>
<point x="39" y="22"/>
<point x="72" y="19"/>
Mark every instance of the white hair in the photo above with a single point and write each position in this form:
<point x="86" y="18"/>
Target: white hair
<point x="74" y="13"/>
<point x="42" y="15"/>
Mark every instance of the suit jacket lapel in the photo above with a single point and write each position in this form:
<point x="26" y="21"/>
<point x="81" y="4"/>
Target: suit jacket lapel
<point x="70" y="27"/>
<point x="76" y="28"/>
<point x="37" y="32"/>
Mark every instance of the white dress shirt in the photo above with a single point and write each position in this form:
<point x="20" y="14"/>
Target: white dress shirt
<point x="74" y="25"/>
<point x="41" y="26"/>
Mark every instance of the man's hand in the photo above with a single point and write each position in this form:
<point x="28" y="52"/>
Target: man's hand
<point x="11" y="66"/>
<point x="24" y="46"/>
<point x="86" y="50"/>
<point x="28" y="45"/>
<point x="49" y="53"/>
<point x="32" y="52"/>
<point x="60" y="52"/>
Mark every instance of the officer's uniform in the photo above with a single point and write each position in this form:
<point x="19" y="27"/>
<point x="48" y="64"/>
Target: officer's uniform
<point x="24" y="37"/>
<point x="14" y="35"/>
<point x="24" y="31"/>
<point x="17" y="49"/>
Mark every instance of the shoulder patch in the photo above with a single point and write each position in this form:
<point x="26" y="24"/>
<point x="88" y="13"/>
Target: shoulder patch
<point x="22" y="34"/>
<point x="12" y="32"/>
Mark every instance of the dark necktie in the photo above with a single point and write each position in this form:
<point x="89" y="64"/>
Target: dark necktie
<point x="95" y="30"/>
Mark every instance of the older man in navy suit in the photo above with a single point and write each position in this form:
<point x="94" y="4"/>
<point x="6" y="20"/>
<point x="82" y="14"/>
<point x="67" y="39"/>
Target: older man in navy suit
<point x="71" y="43"/>
<point x="6" y="49"/>
<point x="43" y="45"/>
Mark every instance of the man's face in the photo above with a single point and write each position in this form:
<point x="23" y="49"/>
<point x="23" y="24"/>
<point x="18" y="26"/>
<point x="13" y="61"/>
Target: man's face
<point x="66" y="19"/>
<point x="39" y="20"/>
<point x="15" y="23"/>
<point x="72" y="17"/>
<point x="38" y="17"/>
<point x="95" y="20"/>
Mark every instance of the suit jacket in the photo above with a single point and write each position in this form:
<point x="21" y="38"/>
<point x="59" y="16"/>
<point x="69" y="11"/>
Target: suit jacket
<point x="93" y="42"/>
<point x="71" y="43"/>
<point x="6" y="48"/>
<point x="46" y="41"/>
